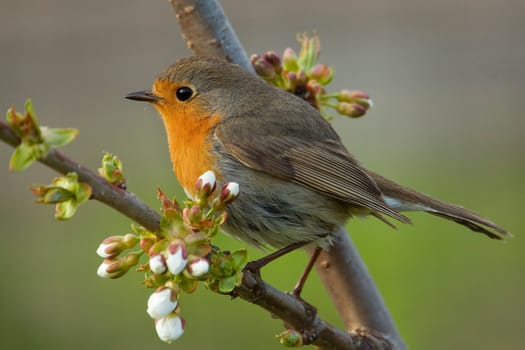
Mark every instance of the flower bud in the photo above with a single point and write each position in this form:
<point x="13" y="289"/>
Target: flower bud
<point x="109" y="269"/>
<point x="356" y="96"/>
<point x="353" y="110"/>
<point x="274" y="60"/>
<point x="157" y="264"/>
<point x="290" y="338"/>
<point x="229" y="192"/>
<point x="114" y="268"/>
<point x="198" y="267"/>
<point x="176" y="257"/>
<point x="162" y="302"/>
<point x="262" y="67"/>
<point x="170" y="327"/>
<point x="114" y="245"/>
<point x="111" y="169"/>
<point x="206" y="183"/>
<point x="321" y="73"/>
<point x="192" y="215"/>
<point x="290" y="60"/>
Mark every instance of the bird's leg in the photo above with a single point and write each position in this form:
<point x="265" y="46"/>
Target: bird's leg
<point x="257" y="265"/>
<point x="296" y="292"/>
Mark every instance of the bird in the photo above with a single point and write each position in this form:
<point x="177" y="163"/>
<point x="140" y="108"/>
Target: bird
<point x="297" y="180"/>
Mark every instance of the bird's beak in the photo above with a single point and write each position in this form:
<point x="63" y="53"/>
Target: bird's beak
<point x="143" y="96"/>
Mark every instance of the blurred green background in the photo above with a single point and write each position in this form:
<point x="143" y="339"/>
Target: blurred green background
<point x="448" y="83"/>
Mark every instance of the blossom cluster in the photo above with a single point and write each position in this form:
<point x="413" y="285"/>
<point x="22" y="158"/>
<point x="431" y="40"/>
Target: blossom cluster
<point x="179" y="255"/>
<point x="302" y="75"/>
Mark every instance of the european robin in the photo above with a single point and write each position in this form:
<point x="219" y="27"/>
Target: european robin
<point x="297" y="180"/>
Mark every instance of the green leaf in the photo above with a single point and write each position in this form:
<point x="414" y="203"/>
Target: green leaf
<point x="188" y="285"/>
<point x="226" y="285"/>
<point x="83" y="193"/>
<point x="56" y="195"/>
<point x="239" y="259"/>
<point x="140" y="230"/>
<point x="30" y="111"/>
<point x="111" y="168"/>
<point x="58" y="137"/>
<point x="22" y="157"/>
<point x="68" y="182"/>
<point x="65" y="210"/>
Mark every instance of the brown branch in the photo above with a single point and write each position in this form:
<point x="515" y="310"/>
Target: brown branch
<point x="207" y="31"/>
<point x="341" y="269"/>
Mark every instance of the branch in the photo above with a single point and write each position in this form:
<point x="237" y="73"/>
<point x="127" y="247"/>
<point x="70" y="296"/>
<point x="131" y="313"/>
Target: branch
<point x="207" y="31"/>
<point x="341" y="269"/>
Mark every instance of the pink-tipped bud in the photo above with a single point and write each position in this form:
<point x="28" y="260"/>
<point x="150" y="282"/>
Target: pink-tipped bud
<point x="263" y="68"/>
<point x="114" y="245"/>
<point x="353" y="110"/>
<point x="198" y="267"/>
<point x="177" y="257"/>
<point x="170" y="327"/>
<point x="108" y="250"/>
<point x="162" y="302"/>
<point x="109" y="269"/>
<point x="206" y="183"/>
<point x="321" y="73"/>
<point x="114" y="268"/>
<point x="157" y="264"/>
<point x="192" y="215"/>
<point x="229" y="192"/>
<point x="290" y="60"/>
<point x="356" y="96"/>
<point x="274" y="60"/>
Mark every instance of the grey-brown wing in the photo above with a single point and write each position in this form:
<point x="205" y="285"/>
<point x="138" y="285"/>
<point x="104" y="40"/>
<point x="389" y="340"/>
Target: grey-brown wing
<point x="321" y="165"/>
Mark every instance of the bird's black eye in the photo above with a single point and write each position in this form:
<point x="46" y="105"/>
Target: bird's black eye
<point x="184" y="93"/>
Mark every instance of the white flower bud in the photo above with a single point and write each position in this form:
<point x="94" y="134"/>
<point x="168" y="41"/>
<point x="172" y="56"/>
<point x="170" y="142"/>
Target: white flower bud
<point x="157" y="264"/>
<point x="233" y="187"/>
<point x="177" y="257"/>
<point x="106" y="250"/>
<point x="170" y="328"/>
<point x="206" y="182"/>
<point x="161" y="303"/>
<point x="108" y="269"/>
<point x="198" y="267"/>
<point x="229" y="192"/>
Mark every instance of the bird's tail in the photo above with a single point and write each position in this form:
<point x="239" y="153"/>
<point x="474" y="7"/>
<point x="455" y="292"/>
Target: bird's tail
<point x="405" y="199"/>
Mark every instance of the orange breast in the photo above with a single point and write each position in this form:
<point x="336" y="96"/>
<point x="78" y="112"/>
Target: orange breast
<point x="190" y="151"/>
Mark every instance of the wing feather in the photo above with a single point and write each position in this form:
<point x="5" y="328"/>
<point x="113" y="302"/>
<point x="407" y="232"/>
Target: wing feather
<point x="321" y="165"/>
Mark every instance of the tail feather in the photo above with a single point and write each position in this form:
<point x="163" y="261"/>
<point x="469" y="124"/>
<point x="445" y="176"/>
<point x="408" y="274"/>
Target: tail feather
<point x="403" y="198"/>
